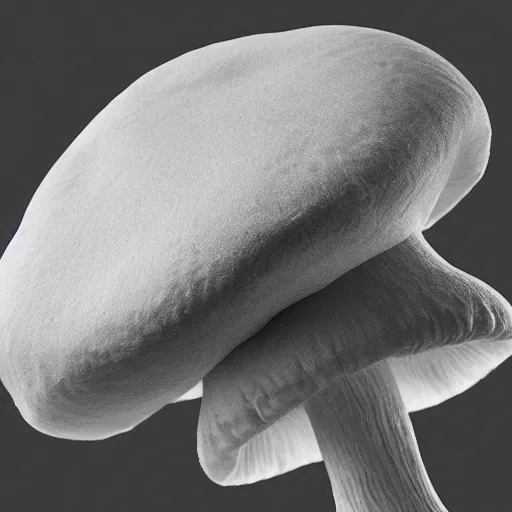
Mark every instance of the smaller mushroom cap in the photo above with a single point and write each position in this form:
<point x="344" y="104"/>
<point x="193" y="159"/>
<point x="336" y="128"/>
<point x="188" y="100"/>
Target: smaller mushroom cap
<point x="440" y="329"/>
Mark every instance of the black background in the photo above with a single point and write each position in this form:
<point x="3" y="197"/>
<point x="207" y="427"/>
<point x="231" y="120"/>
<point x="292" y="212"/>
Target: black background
<point x="59" y="69"/>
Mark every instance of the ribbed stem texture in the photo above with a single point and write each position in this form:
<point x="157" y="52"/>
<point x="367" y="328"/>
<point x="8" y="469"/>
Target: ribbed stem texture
<point x="368" y="445"/>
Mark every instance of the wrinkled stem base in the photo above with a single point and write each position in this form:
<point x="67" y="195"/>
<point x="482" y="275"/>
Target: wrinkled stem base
<point x="368" y="445"/>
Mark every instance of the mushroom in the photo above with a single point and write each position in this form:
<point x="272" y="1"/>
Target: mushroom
<point x="245" y="222"/>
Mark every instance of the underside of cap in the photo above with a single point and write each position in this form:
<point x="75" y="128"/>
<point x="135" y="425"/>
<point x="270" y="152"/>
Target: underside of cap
<point x="441" y="330"/>
<point x="429" y="378"/>
<point x="468" y="167"/>
<point x="193" y="393"/>
<point x="424" y="380"/>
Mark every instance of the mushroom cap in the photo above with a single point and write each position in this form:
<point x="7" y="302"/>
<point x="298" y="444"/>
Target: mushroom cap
<point x="213" y="193"/>
<point x="440" y="330"/>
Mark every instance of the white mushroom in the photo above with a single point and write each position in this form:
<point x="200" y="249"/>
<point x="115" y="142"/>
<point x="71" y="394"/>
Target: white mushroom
<point x="245" y="220"/>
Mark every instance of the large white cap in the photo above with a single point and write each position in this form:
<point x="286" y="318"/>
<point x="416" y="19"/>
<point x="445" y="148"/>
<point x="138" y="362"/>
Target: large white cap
<point x="216" y="191"/>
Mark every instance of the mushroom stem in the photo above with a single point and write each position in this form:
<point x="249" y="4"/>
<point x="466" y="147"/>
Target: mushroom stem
<point x="368" y="444"/>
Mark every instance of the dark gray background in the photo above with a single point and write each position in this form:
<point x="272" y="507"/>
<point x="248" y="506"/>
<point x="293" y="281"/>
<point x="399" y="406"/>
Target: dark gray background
<point x="59" y="71"/>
